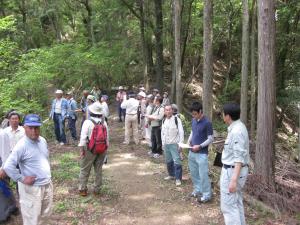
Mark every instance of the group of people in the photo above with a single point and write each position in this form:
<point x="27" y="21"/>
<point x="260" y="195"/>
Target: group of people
<point x="160" y="125"/>
<point x="26" y="159"/>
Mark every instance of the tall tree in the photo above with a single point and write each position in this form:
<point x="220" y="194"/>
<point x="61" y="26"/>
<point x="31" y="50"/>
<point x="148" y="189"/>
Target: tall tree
<point x="265" y="153"/>
<point x="207" y="97"/>
<point x="177" y="52"/>
<point x="158" y="33"/>
<point x="88" y="20"/>
<point x="245" y="62"/>
<point x="253" y="72"/>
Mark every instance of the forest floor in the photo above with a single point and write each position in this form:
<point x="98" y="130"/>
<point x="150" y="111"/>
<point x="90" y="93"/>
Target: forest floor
<point x="134" y="191"/>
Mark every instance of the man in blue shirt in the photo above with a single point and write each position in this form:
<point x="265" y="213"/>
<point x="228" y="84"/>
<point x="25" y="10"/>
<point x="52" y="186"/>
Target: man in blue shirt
<point x="58" y="113"/>
<point x="200" y="138"/>
<point x="72" y="117"/>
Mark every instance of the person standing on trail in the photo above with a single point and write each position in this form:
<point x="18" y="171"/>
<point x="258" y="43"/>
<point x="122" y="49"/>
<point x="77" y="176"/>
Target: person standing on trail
<point x="14" y="130"/>
<point x="34" y="176"/>
<point x="166" y="100"/>
<point x="155" y="119"/>
<point x="131" y="120"/>
<point x="142" y="110"/>
<point x="87" y="157"/>
<point x="83" y="105"/>
<point x="58" y="113"/>
<point x="90" y="100"/>
<point x="72" y="117"/>
<point x="200" y="138"/>
<point x="171" y="134"/>
<point x="121" y="96"/>
<point x="149" y="109"/>
<point x="104" y="104"/>
<point x="235" y="159"/>
<point x="8" y="203"/>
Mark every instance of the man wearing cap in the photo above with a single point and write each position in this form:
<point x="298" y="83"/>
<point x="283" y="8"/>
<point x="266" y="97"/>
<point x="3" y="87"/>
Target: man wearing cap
<point x="235" y="159"/>
<point x="58" y="113"/>
<point x="72" y="117"/>
<point x="34" y="176"/>
<point x="90" y="100"/>
<point x="131" y="120"/>
<point x="121" y="96"/>
<point x="87" y="158"/>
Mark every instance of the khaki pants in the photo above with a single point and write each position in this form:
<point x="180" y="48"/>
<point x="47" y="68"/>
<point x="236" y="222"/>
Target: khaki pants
<point x="86" y="163"/>
<point x="36" y="203"/>
<point x="131" y="127"/>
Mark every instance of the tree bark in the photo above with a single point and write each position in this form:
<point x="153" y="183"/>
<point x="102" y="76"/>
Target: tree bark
<point x="207" y="96"/>
<point x="253" y="72"/>
<point x="265" y="152"/>
<point x="177" y="31"/>
<point x="89" y="21"/>
<point x="245" y="62"/>
<point x="159" y="44"/>
<point x="173" y="83"/>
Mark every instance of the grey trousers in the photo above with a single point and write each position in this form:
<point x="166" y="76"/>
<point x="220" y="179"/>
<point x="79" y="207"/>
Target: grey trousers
<point x="86" y="163"/>
<point x="232" y="203"/>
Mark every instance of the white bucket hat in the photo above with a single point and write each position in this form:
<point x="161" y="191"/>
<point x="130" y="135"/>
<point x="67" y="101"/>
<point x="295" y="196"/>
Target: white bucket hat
<point x="96" y="108"/>
<point x="91" y="97"/>
<point x="59" y="91"/>
<point x="142" y="94"/>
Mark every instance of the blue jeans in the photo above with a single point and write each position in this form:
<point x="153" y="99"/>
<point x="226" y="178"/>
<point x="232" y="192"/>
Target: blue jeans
<point x="59" y="128"/>
<point x="121" y="112"/>
<point x="72" y="127"/>
<point x="173" y="161"/>
<point x="198" y="165"/>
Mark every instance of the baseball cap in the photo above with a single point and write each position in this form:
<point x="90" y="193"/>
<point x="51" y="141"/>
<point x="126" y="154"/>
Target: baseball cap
<point x="32" y="120"/>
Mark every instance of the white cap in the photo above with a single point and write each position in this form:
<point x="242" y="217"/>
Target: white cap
<point x="121" y="88"/>
<point x="59" y="91"/>
<point x="96" y="108"/>
<point x="91" y="97"/>
<point x="141" y="93"/>
<point x="142" y="89"/>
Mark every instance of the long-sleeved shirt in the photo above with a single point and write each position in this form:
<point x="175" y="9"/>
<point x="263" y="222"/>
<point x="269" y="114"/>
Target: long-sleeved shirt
<point x="14" y="135"/>
<point x="170" y="132"/>
<point x="105" y="109"/>
<point x="33" y="160"/>
<point x="158" y="114"/>
<point x="87" y="129"/>
<point x="5" y="149"/>
<point x="120" y="96"/>
<point x="63" y="109"/>
<point x="236" y="147"/>
<point x="131" y="105"/>
<point x="72" y="107"/>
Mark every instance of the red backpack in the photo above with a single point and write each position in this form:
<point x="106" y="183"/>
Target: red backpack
<point x="98" y="142"/>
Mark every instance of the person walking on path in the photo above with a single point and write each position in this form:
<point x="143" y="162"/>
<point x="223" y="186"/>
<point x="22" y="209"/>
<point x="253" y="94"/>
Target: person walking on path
<point x="14" y="130"/>
<point x="235" y="159"/>
<point x="34" y="176"/>
<point x="87" y="157"/>
<point x="7" y="199"/>
<point x="200" y="138"/>
<point x="155" y="120"/>
<point x="121" y="96"/>
<point x="171" y="134"/>
<point x="131" y="120"/>
<point x="71" y="115"/>
<point x="58" y="113"/>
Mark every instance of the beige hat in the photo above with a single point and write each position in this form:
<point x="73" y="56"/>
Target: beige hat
<point x="121" y="88"/>
<point x="91" y="97"/>
<point x="96" y="108"/>
<point x="59" y="91"/>
<point x="141" y="93"/>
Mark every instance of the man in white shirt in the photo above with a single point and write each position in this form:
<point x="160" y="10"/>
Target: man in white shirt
<point x="14" y="131"/>
<point x="87" y="157"/>
<point x="171" y="134"/>
<point x="131" y="120"/>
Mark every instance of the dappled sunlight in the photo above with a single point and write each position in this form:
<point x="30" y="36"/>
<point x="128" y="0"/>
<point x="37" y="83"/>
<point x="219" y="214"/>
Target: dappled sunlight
<point x="183" y="218"/>
<point x="117" y="164"/>
<point x="142" y="196"/>
<point x="144" y="173"/>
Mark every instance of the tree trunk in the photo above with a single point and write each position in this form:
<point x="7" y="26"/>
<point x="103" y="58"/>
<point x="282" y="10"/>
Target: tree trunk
<point x="253" y="72"/>
<point x="159" y="44"/>
<point x="207" y="96"/>
<point x="173" y="83"/>
<point x="177" y="29"/>
<point x="245" y="62"/>
<point x="265" y="152"/>
<point x="89" y="21"/>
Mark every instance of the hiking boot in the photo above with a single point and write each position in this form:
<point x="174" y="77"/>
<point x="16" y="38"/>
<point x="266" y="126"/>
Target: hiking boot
<point x="169" y="178"/>
<point x="83" y="193"/>
<point x="178" y="182"/>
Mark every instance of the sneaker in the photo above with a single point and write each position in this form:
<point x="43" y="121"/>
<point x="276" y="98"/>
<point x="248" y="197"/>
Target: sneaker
<point x="203" y="199"/>
<point x="178" y="182"/>
<point x="61" y="143"/>
<point x="195" y="194"/>
<point x="169" y="178"/>
<point x="83" y="193"/>
<point x="156" y="155"/>
<point x="125" y="143"/>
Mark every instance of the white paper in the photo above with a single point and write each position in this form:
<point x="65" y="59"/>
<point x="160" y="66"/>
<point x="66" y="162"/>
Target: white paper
<point x="183" y="145"/>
